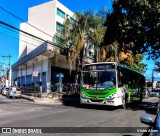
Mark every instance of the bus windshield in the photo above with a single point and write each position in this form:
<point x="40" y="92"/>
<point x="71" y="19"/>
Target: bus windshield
<point x="99" y="79"/>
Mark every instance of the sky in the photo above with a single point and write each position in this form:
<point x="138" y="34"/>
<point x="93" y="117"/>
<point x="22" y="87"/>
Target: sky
<point x="9" y="44"/>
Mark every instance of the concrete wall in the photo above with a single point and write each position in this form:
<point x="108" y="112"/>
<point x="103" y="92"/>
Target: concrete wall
<point x="43" y="17"/>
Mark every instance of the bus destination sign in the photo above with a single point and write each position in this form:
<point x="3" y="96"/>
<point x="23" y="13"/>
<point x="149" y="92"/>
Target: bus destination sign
<point x="99" y="67"/>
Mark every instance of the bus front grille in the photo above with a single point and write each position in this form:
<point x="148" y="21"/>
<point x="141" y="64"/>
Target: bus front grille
<point x="97" y="93"/>
<point x="96" y="100"/>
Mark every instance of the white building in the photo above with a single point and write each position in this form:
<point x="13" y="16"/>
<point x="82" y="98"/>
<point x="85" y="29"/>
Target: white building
<point x="35" y="54"/>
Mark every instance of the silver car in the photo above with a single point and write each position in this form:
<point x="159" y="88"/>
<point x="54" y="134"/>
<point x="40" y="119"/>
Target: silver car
<point x="5" y="90"/>
<point x="155" y="92"/>
<point x="16" y="94"/>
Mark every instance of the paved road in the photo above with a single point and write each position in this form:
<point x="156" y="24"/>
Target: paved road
<point x="23" y="113"/>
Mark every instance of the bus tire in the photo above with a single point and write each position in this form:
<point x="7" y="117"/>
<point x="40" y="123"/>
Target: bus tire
<point x="124" y="102"/>
<point x="141" y="97"/>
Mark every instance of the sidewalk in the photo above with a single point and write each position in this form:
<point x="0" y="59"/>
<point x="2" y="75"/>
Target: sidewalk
<point x="42" y="100"/>
<point x="51" y="99"/>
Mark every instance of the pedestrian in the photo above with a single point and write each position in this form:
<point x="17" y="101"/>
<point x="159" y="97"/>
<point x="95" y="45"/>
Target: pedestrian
<point x="40" y="86"/>
<point x="14" y="91"/>
<point x="36" y="87"/>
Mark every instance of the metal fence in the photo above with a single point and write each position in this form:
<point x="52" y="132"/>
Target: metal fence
<point x="66" y="89"/>
<point x="30" y="90"/>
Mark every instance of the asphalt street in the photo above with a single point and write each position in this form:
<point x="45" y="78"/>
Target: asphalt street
<point x="23" y="113"/>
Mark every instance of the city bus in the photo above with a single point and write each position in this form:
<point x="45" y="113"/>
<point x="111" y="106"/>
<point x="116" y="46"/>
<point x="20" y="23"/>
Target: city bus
<point x="110" y="83"/>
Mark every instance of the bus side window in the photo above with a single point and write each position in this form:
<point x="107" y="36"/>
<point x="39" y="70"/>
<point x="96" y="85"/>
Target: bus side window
<point x="120" y="83"/>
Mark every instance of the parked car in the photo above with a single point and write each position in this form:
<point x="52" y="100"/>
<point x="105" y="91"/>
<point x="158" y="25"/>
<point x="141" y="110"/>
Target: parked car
<point x="154" y="129"/>
<point x="155" y="92"/>
<point x="5" y="90"/>
<point x="1" y="88"/>
<point x="16" y="94"/>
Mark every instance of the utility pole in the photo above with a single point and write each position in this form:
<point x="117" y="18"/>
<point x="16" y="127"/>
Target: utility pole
<point x="152" y="78"/>
<point x="2" y="69"/>
<point x="8" y="71"/>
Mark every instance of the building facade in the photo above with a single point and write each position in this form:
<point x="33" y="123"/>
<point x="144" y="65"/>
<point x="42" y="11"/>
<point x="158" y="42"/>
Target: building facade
<point x="38" y="41"/>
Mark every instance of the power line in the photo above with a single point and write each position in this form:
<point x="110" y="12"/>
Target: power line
<point x="50" y="43"/>
<point x="53" y="44"/>
<point x="3" y="23"/>
<point x="24" y="37"/>
<point x="18" y="33"/>
<point x="19" y="39"/>
<point x="24" y="21"/>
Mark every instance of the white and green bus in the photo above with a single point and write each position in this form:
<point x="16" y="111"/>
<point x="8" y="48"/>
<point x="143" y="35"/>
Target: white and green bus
<point x="110" y="83"/>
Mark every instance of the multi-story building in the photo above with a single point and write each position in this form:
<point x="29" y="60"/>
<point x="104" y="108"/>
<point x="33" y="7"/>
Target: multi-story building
<point x="38" y="41"/>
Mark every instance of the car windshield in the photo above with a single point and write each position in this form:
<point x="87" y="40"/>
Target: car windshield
<point x="154" y="90"/>
<point x="99" y="79"/>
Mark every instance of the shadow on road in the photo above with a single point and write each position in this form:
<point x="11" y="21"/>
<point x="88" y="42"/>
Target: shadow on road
<point x="148" y="107"/>
<point x="74" y="101"/>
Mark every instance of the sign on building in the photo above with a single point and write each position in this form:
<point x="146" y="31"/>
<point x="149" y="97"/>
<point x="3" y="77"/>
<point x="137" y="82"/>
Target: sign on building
<point x="4" y="78"/>
<point x="35" y="73"/>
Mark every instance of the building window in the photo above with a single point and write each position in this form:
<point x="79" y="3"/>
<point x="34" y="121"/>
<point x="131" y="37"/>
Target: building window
<point x="29" y="76"/>
<point x="60" y="13"/>
<point x="72" y="21"/>
<point x="58" y="41"/>
<point x="59" y="27"/>
<point x="90" y="54"/>
<point x="43" y="73"/>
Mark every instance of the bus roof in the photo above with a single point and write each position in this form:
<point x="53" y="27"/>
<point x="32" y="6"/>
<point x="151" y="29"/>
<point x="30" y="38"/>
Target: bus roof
<point x="118" y="64"/>
<point x="101" y="63"/>
<point x="125" y="67"/>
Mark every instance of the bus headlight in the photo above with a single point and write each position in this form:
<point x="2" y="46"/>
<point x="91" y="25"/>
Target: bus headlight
<point x="83" y="95"/>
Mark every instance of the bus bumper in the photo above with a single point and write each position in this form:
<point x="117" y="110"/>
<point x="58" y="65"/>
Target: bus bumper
<point x="111" y="102"/>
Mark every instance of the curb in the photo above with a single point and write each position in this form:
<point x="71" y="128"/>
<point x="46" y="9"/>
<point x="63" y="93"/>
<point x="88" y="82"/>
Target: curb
<point x="70" y="100"/>
<point x="27" y="98"/>
<point x="56" y="101"/>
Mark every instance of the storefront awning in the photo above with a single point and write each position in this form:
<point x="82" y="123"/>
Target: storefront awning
<point x="45" y="50"/>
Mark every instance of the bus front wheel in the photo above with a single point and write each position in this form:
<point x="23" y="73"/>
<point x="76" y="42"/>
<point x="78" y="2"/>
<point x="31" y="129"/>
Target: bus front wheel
<point x="124" y="101"/>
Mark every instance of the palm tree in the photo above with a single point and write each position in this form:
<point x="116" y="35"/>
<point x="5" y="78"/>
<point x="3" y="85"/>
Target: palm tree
<point x="74" y="40"/>
<point x="87" y="28"/>
<point x="96" y="33"/>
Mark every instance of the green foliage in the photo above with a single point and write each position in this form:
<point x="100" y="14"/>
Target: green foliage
<point x="134" y="62"/>
<point x="88" y="28"/>
<point x="135" y="25"/>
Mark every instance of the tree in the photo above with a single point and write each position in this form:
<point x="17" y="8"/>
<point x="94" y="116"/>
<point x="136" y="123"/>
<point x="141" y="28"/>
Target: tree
<point x="74" y="37"/>
<point x="96" y="29"/>
<point x="135" y="25"/>
<point x="88" y="28"/>
<point x="134" y="62"/>
<point x="127" y="59"/>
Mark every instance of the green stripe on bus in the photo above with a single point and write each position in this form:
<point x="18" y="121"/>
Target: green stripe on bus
<point x="102" y="94"/>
